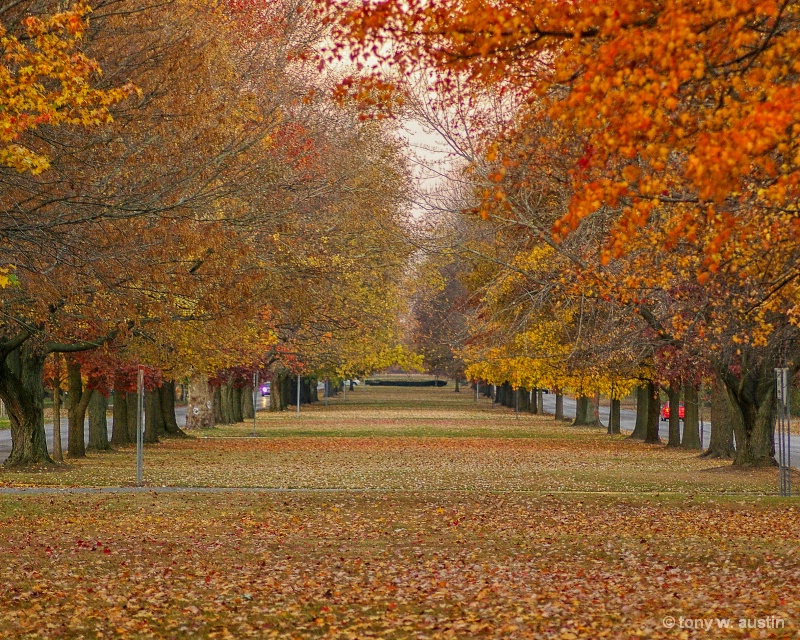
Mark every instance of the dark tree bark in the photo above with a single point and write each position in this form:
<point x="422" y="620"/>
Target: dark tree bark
<point x="457" y="385"/>
<point x="119" y="430"/>
<point x="98" y="423"/>
<point x="524" y="397"/>
<point x="248" y="398"/>
<point x="652" y="436"/>
<point x="642" y="402"/>
<point x="166" y="394"/>
<point x="586" y="413"/>
<point x="217" y="402"/>
<point x="508" y="395"/>
<point x="614" y="421"/>
<point x="534" y="401"/>
<point x="674" y="439"/>
<point x="752" y="405"/>
<point x="78" y="402"/>
<point x="691" y="422"/>
<point x="236" y="404"/>
<point x="22" y="391"/>
<point x="539" y="393"/>
<point x="132" y="406"/>
<point x="559" y="406"/>
<point x="721" y="442"/>
<point x="279" y="392"/>
<point x="153" y="418"/>
<point x="581" y="411"/>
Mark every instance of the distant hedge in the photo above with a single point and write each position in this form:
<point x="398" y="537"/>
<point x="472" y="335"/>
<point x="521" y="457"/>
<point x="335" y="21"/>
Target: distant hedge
<point x="407" y="383"/>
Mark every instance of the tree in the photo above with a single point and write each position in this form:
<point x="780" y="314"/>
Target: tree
<point x="688" y="157"/>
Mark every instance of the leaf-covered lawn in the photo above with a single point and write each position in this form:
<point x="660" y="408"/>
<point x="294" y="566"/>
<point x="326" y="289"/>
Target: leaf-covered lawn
<point x="393" y="565"/>
<point x="438" y="518"/>
<point x="409" y="439"/>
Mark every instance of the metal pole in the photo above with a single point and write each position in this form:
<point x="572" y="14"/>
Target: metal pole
<point x="140" y="426"/>
<point x="255" y="399"/>
<point x="783" y="429"/>
<point x="298" y="394"/>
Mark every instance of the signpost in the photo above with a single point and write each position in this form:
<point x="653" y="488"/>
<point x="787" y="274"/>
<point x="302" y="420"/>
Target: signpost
<point x="140" y="426"/>
<point x="783" y="431"/>
<point x="255" y="399"/>
<point x="298" y="394"/>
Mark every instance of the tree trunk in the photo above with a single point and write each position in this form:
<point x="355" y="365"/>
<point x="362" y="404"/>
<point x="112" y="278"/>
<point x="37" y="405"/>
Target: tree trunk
<point x="78" y="402"/>
<point x="166" y="394"/>
<point x="217" y="405"/>
<point x="248" y="398"/>
<point x="691" y="422"/>
<point x="457" y="384"/>
<point x="586" y="413"/>
<point x="200" y="404"/>
<point x="534" y="400"/>
<point x="614" y="421"/>
<point x="22" y="391"/>
<point x="640" y="430"/>
<point x="752" y="405"/>
<point x="153" y="418"/>
<point x="98" y="423"/>
<point x="539" y="393"/>
<point x="596" y="410"/>
<point x="289" y="391"/>
<point x="236" y="404"/>
<point x="721" y="443"/>
<point x="280" y="392"/>
<point x="58" y="454"/>
<point x="559" y="406"/>
<point x="524" y="399"/>
<point x="652" y="436"/>
<point x="132" y="405"/>
<point x="674" y="439"/>
<point x="119" y="431"/>
<point x="581" y="411"/>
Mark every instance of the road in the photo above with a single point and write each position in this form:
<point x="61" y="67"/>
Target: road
<point x="628" y="422"/>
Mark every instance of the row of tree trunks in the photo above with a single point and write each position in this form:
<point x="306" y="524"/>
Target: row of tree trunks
<point x="280" y="392"/>
<point x="229" y="400"/>
<point x="159" y="412"/>
<point x="283" y="391"/>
